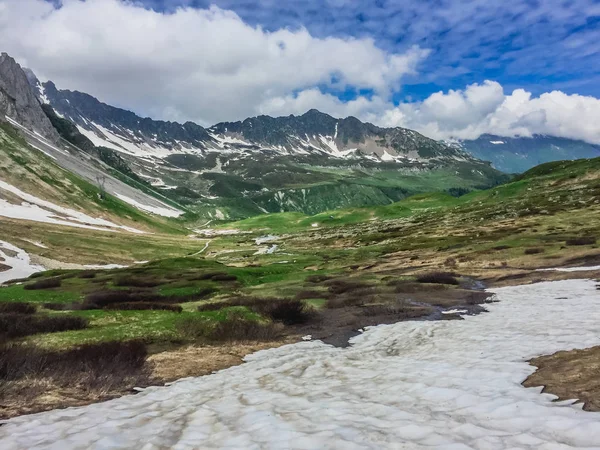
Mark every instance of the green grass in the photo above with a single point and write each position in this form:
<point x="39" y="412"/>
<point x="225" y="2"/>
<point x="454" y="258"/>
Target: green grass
<point x="16" y="293"/>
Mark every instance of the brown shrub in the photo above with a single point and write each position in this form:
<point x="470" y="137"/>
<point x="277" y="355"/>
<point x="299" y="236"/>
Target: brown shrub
<point x="317" y="278"/>
<point x="17" y="308"/>
<point x="533" y="251"/>
<point x="14" y="325"/>
<point x="340" y="285"/>
<point x="583" y="240"/>
<point x="101" y="299"/>
<point x="438" y="278"/>
<point x="307" y="293"/>
<point x="101" y="365"/>
<point x="87" y="274"/>
<point x="215" y="276"/>
<point x="235" y="328"/>
<point x="450" y="262"/>
<point x="137" y="281"/>
<point x="46" y="283"/>
<point x="287" y="311"/>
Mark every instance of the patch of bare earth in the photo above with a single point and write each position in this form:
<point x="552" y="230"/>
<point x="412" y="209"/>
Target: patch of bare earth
<point x="198" y="360"/>
<point x="570" y="374"/>
<point x="36" y="394"/>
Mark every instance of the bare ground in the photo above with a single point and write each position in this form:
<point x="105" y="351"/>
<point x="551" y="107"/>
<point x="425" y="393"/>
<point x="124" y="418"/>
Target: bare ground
<point x="570" y="374"/>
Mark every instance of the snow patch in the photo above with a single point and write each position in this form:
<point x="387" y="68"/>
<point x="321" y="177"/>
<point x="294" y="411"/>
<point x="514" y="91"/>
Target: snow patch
<point x="38" y="210"/>
<point x="18" y="261"/>
<point x="497" y="142"/>
<point x="569" y="269"/>
<point x="415" y="384"/>
<point x="166" y="211"/>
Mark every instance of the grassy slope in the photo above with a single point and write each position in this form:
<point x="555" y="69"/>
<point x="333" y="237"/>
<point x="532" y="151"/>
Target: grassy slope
<point x="481" y="234"/>
<point x="247" y="187"/>
<point x="35" y="173"/>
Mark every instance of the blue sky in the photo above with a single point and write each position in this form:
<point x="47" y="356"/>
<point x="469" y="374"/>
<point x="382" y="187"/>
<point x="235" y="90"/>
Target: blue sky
<point x="536" y="45"/>
<point x="446" y="68"/>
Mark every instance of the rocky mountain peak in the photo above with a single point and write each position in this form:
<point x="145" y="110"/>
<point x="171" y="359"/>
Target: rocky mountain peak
<point x="18" y="100"/>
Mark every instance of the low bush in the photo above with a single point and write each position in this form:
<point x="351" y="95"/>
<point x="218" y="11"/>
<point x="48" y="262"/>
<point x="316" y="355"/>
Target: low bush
<point x="340" y="285"/>
<point x="17" y="308"/>
<point x="87" y="274"/>
<point x="235" y="328"/>
<point x="224" y="277"/>
<point x="101" y="365"/>
<point x="46" y="283"/>
<point x="317" y="278"/>
<point x="144" y="306"/>
<point x="101" y="299"/>
<point x="14" y="325"/>
<point x="238" y="329"/>
<point x="438" y="278"/>
<point x="215" y="276"/>
<point x="133" y="281"/>
<point x="306" y="294"/>
<point x="204" y="293"/>
<point x="584" y="240"/>
<point x="287" y="311"/>
<point x="533" y="251"/>
<point x="501" y="247"/>
<point x="450" y="262"/>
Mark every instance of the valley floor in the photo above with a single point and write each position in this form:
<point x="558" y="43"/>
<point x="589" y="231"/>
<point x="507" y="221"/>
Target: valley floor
<point x="451" y="384"/>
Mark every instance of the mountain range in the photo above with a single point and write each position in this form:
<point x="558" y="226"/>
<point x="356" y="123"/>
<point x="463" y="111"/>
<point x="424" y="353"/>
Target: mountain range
<point x="308" y="163"/>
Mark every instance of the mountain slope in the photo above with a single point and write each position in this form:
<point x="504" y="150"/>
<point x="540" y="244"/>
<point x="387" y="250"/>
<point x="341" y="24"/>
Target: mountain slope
<point x="307" y="163"/>
<point x="312" y="133"/>
<point x="33" y="187"/>
<point x="518" y="154"/>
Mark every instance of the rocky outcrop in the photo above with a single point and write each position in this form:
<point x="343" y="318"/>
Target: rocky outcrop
<point x="18" y="101"/>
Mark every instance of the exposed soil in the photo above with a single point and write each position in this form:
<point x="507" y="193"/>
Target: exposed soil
<point x="337" y="326"/>
<point x="33" y="395"/>
<point x="573" y="374"/>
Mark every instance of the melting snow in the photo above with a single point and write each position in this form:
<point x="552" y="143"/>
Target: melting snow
<point x="417" y="385"/>
<point x="261" y="240"/>
<point x="38" y="210"/>
<point x="166" y="211"/>
<point x="497" y="142"/>
<point x="570" y="269"/>
<point x="18" y="262"/>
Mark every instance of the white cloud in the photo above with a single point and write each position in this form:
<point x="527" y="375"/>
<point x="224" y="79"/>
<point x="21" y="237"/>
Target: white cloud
<point x="485" y="108"/>
<point x="204" y="65"/>
<point x="210" y="66"/>
<point x="463" y="114"/>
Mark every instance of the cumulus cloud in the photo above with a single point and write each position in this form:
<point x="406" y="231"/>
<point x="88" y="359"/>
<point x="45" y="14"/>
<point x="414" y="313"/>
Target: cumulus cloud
<point x="201" y="64"/>
<point x="463" y="114"/>
<point x="485" y="108"/>
<point x="208" y="65"/>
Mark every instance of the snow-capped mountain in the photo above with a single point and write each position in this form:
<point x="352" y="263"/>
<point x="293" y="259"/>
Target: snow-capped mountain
<point x="310" y="133"/>
<point x="518" y="154"/>
<point x="308" y="163"/>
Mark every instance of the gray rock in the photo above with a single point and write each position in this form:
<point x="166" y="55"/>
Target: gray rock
<point x="18" y="101"/>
